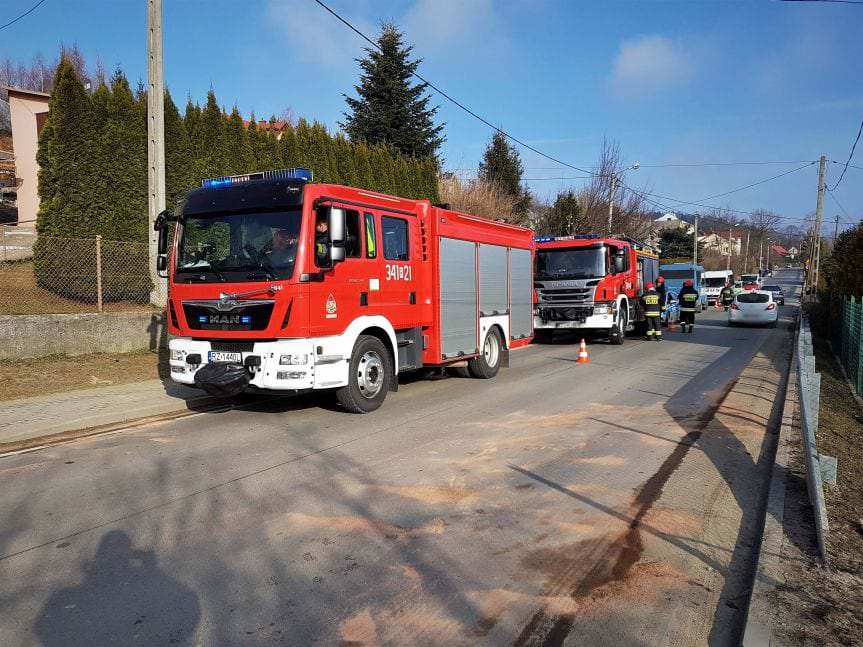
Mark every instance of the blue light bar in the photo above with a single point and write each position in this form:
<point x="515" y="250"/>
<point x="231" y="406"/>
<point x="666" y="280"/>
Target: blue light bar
<point x="281" y="174"/>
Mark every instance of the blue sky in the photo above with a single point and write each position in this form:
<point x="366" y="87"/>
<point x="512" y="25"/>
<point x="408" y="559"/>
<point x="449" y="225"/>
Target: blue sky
<point x="672" y="82"/>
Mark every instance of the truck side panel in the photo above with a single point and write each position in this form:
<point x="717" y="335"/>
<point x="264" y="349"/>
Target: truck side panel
<point x="493" y="280"/>
<point x="458" y="298"/>
<point x="521" y="287"/>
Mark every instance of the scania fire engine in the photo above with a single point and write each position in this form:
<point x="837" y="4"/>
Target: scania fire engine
<point x="588" y="282"/>
<point x="279" y="283"/>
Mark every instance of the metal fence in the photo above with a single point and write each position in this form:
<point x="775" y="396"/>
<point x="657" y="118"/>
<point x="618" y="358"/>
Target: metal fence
<point x="46" y="275"/>
<point x="848" y="339"/>
<point x="810" y="397"/>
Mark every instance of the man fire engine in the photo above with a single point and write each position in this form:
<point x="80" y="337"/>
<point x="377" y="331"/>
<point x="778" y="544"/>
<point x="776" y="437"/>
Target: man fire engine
<point x="588" y="282"/>
<point x="278" y="283"/>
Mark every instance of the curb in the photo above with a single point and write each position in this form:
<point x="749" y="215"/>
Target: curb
<point x="757" y="624"/>
<point x="204" y="404"/>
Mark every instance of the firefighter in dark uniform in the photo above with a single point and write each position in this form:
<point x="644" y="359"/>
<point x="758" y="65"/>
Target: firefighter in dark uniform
<point x="322" y="241"/>
<point x="726" y="296"/>
<point x="651" y="302"/>
<point x="688" y="299"/>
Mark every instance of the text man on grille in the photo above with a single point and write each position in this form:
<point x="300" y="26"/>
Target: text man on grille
<point x="688" y="299"/>
<point x="651" y="301"/>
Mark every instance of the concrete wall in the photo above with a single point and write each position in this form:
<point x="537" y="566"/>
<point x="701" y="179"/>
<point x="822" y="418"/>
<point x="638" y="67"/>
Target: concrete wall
<point x="116" y="332"/>
<point x="25" y="106"/>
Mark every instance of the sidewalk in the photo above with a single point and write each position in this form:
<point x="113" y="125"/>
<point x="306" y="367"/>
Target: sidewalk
<point x="25" y="420"/>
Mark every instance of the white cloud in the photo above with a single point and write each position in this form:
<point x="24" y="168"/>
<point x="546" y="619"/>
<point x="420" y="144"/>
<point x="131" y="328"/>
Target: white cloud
<point x="442" y="28"/>
<point x="649" y="64"/>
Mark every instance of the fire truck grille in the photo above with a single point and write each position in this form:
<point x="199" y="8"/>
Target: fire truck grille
<point x="564" y="296"/>
<point x="201" y="316"/>
<point x="565" y="314"/>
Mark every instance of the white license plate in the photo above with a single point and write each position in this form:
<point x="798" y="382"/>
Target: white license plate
<point x="221" y="356"/>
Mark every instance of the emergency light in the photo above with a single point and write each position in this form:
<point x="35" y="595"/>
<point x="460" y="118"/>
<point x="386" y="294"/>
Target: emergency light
<point x="546" y="239"/>
<point x="298" y="173"/>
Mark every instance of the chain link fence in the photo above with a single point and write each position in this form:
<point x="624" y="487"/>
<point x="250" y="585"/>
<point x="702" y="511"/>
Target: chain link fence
<point x="46" y="275"/>
<point x="848" y="339"/>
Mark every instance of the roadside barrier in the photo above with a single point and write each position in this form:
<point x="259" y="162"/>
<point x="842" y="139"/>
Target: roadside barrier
<point x="816" y="464"/>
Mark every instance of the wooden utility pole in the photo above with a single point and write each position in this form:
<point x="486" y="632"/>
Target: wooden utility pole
<point x="819" y="218"/>
<point x="695" y="243"/>
<point x="155" y="139"/>
<point x="611" y="201"/>
<point x="836" y="230"/>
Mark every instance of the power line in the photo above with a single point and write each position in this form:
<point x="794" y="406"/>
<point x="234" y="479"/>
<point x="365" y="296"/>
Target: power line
<point x="749" y="186"/>
<point x="829" y="1"/>
<point x="514" y="139"/>
<point x="671" y="165"/>
<point x="457" y="103"/>
<point x="26" y="13"/>
<point x="850" y="155"/>
<point x="848" y="220"/>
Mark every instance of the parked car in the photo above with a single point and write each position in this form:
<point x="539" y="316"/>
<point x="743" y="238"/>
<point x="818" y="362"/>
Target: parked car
<point x="778" y="294"/>
<point x="671" y="315"/>
<point x="753" y="307"/>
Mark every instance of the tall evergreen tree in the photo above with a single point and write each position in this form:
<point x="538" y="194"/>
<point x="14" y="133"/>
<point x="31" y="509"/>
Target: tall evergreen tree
<point x="178" y="155"/>
<point x="565" y="217"/>
<point x="362" y="160"/>
<point x="288" y="146"/>
<point x="238" y="152"/>
<point x="304" y="145"/>
<point x="390" y="110"/>
<point x="501" y="167"/>
<point x="208" y="139"/>
<point x="345" y="162"/>
<point x="65" y="201"/>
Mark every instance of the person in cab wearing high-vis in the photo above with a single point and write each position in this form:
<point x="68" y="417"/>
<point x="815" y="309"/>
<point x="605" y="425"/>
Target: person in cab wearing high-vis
<point x="651" y="301"/>
<point x="688" y="299"/>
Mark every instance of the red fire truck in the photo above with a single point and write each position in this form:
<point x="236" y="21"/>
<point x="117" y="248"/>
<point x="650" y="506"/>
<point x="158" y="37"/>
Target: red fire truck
<point x="592" y="283"/>
<point x="279" y="283"/>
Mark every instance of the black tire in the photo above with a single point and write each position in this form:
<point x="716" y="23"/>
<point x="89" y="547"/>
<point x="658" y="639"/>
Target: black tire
<point x="487" y="363"/>
<point x="543" y="335"/>
<point x="622" y="321"/>
<point x="369" y="376"/>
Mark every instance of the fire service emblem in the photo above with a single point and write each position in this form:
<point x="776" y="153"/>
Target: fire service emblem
<point x="332" y="308"/>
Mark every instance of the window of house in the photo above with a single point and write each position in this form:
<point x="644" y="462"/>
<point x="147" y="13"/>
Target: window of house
<point x="395" y="238"/>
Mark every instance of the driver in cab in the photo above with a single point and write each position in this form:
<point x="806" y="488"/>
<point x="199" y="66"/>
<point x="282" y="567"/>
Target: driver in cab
<point x="284" y="248"/>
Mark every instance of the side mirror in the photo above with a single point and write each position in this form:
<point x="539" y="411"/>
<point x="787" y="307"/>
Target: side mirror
<point x="336" y="229"/>
<point x="162" y="263"/>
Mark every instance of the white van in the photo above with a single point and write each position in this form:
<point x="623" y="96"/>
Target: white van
<point x="714" y="281"/>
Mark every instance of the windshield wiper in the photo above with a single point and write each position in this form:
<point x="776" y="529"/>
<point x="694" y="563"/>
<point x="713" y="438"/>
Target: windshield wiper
<point x="267" y="271"/>
<point x="200" y="270"/>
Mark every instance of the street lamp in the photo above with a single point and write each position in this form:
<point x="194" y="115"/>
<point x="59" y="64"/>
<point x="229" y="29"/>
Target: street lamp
<point x="634" y="167"/>
<point x="730" y="231"/>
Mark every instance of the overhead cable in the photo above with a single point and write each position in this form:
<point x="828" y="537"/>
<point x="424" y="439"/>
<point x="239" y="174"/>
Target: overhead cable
<point x="26" y="13"/>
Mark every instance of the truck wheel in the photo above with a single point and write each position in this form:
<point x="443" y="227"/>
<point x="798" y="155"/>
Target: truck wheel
<point x="369" y="376"/>
<point x="488" y="363"/>
<point x="617" y="339"/>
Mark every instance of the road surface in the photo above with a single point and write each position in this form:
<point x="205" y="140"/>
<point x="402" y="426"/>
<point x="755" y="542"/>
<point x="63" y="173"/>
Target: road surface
<point x="612" y="503"/>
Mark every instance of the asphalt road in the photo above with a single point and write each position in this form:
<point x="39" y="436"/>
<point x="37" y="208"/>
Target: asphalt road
<point x="463" y="512"/>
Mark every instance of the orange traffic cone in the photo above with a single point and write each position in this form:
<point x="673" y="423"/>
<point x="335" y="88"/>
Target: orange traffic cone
<point x="583" y="357"/>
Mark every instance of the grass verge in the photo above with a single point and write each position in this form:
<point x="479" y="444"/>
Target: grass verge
<point x="59" y="373"/>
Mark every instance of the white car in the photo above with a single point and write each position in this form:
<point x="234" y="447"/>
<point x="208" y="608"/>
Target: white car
<point x="753" y="307"/>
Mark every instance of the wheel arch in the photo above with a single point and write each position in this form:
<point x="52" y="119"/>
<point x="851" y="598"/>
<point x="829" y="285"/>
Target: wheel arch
<point x="375" y="326"/>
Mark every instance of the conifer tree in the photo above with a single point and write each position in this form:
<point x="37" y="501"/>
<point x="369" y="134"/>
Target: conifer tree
<point x="238" y="152"/>
<point x="178" y="155"/>
<point x="391" y="110"/>
<point x="501" y="166"/>
<point x="304" y="145"/>
<point x="271" y="152"/>
<point x="65" y="200"/>
<point x="288" y="146"/>
<point x="362" y="160"/>
<point x="345" y="162"/>
<point x="319" y="153"/>
<point x="208" y="139"/>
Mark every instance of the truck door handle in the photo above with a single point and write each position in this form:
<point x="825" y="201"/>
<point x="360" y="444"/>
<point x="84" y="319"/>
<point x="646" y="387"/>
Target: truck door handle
<point x="364" y="298"/>
<point x="413" y="298"/>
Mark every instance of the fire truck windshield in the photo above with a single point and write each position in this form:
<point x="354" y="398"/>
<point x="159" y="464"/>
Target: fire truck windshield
<point x="581" y="263"/>
<point x="238" y="247"/>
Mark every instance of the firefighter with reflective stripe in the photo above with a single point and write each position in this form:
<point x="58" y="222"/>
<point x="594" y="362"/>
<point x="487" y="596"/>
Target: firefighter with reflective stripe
<point x="652" y="304"/>
<point x="688" y="299"/>
<point x="726" y="296"/>
<point x="661" y="289"/>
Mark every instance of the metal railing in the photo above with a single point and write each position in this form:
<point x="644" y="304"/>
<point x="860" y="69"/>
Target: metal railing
<point x="810" y="397"/>
<point x="47" y="275"/>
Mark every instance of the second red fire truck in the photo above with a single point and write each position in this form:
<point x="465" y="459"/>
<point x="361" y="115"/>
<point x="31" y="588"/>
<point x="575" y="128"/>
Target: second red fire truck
<point x="591" y="283"/>
<point x="279" y="283"/>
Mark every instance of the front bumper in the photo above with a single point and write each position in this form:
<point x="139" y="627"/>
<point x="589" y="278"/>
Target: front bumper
<point x="736" y="316"/>
<point x="270" y="374"/>
<point x="593" y="322"/>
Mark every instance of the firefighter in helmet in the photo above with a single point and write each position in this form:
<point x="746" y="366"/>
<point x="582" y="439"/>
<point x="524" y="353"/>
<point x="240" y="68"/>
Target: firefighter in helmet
<point x="726" y="295"/>
<point x="651" y="302"/>
<point x="688" y="299"/>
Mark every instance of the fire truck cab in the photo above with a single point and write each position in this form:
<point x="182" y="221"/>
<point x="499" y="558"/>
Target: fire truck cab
<point x="588" y="282"/>
<point x="278" y="283"/>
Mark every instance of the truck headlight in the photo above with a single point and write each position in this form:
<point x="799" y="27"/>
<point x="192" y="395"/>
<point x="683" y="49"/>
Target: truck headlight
<point x="294" y="359"/>
<point x="601" y="310"/>
<point x="177" y="355"/>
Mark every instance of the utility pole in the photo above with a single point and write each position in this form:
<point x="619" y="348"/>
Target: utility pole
<point x="611" y="201"/>
<point x="155" y="139"/>
<point x="760" y="254"/>
<point x="819" y="217"/>
<point x="695" y="243"/>
<point x="746" y="253"/>
<point x="836" y="230"/>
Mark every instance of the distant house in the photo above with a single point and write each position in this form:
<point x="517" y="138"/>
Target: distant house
<point x="275" y="127"/>
<point x="779" y="250"/>
<point x="29" y="112"/>
<point x="671" y="221"/>
<point x="719" y="242"/>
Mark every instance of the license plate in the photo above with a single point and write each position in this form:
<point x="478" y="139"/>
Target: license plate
<point x="222" y="356"/>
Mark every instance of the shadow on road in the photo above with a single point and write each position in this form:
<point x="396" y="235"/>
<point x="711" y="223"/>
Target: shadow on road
<point x="124" y="599"/>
